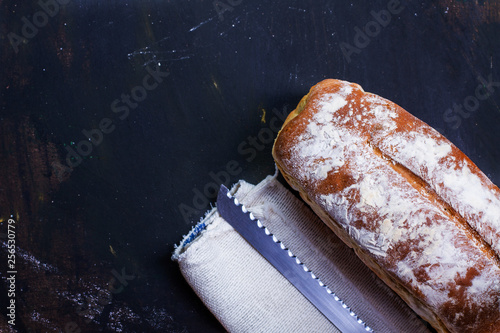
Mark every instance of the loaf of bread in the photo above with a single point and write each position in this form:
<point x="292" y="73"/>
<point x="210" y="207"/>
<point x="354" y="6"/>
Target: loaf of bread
<point x="413" y="207"/>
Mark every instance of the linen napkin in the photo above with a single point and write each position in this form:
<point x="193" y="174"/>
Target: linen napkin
<point x="247" y="294"/>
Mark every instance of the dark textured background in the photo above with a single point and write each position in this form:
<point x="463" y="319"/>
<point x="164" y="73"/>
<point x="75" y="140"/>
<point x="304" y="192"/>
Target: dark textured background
<point x="232" y="75"/>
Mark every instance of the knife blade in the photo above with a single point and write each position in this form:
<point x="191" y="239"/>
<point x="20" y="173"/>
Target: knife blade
<point x="295" y="271"/>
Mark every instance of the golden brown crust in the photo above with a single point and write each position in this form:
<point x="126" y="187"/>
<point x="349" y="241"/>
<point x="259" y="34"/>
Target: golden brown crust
<point x="393" y="189"/>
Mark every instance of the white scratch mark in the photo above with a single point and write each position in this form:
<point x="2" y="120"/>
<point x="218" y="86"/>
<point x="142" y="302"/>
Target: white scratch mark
<point x="199" y="25"/>
<point x="298" y="9"/>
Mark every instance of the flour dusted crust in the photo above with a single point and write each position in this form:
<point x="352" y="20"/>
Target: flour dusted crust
<point x="415" y="209"/>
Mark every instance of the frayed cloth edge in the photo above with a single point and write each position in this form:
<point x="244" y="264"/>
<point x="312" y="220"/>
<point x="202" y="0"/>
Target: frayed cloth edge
<point x="198" y="228"/>
<point x="192" y="235"/>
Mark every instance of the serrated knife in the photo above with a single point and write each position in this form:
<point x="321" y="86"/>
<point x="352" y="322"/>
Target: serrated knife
<point x="259" y="236"/>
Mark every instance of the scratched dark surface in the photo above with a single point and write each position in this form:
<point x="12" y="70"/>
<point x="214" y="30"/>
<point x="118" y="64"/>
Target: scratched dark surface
<point x="95" y="232"/>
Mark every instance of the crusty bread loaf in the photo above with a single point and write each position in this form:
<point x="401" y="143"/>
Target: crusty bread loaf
<point x="414" y="208"/>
